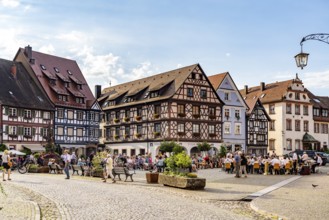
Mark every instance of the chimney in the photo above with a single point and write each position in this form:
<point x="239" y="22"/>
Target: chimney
<point x="262" y="86"/>
<point x="246" y="89"/>
<point x="28" y="52"/>
<point x="13" y="70"/>
<point x="98" y="91"/>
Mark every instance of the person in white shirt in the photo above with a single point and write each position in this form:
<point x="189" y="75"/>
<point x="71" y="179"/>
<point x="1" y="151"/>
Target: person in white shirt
<point x="67" y="160"/>
<point x="108" y="169"/>
<point x="304" y="157"/>
<point x="294" y="163"/>
<point x="318" y="162"/>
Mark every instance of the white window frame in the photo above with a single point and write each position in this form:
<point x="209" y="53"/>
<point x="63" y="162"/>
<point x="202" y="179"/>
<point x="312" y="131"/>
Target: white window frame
<point x="196" y="128"/>
<point x="27" y="131"/>
<point x="12" y="130"/>
<point x="227" y="128"/>
<point x="237" y="128"/>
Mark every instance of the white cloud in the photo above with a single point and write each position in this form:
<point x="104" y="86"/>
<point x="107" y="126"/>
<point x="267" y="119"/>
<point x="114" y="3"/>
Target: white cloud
<point x="48" y="49"/>
<point x="316" y="80"/>
<point x="179" y="65"/>
<point x="143" y="70"/>
<point x="228" y="54"/>
<point x="10" y="3"/>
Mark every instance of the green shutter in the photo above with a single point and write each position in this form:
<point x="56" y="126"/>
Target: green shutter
<point x="6" y="110"/>
<point x="6" y="129"/>
<point x="33" y="131"/>
<point x="41" y="131"/>
<point x="33" y="113"/>
<point x="20" y="112"/>
<point x="20" y="130"/>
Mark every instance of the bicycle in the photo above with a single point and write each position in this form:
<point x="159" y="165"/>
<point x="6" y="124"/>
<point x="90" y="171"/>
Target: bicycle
<point x="21" y="167"/>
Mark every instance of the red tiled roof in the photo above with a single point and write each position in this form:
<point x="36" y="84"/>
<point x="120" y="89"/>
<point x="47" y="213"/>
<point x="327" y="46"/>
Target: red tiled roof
<point x="217" y="79"/>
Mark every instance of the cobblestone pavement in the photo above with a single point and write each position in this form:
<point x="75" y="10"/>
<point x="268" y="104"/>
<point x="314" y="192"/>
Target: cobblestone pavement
<point x="88" y="198"/>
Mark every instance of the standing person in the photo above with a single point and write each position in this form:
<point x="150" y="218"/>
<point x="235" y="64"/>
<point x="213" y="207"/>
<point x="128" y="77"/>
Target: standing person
<point x="6" y="161"/>
<point x="244" y="162"/>
<point x="67" y="161"/>
<point x="237" y="159"/>
<point x="294" y="163"/>
<point x="108" y="169"/>
<point x="73" y="158"/>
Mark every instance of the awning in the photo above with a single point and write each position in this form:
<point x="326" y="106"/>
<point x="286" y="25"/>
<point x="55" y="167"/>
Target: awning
<point x="35" y="148"/>
<point x="72" y="146"/>
<point x="307" y="138"/>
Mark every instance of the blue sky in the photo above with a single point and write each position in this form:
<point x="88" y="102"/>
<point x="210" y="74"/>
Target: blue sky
<point x="119" y="41"/>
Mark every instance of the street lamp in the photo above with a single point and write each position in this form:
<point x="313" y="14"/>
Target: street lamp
<point x="302" y="58"/>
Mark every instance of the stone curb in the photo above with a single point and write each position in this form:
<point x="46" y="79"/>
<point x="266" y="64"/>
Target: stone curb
<point x="37" y="211"/>
<point x="263" y="212"/>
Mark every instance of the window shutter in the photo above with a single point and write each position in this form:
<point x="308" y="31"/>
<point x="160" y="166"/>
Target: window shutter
<point x="41" y="131"/>
<point x="6" y="110"/>
<point x="33" y="131"/>
<point x="20" y="130"/>
<point x="20" y="112"/>
<point x="33" y="113"/>
<point x="6" y="129"/>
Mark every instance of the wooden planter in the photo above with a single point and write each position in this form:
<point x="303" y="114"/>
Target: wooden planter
<point x="182" y="182"/>
<point x="152" y="177"/>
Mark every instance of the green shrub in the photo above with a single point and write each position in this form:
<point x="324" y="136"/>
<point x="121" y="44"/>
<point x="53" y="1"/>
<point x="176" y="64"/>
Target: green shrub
<point x="192" y="175"/>
<point x="3" y="147"/>
<point x="204" y="146"/>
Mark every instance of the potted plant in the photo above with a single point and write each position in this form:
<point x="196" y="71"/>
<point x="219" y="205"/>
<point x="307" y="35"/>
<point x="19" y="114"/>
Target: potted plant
<point x="155" y="115"/>
<point x="138" y="135"/>
<point x="116" y="137"/>
<point x="97" y="167"/>
<point x="156" y="134"/>
<point x="116" y="120"/>
<point x="126" y="119"/>
<point x="138" y="118"/>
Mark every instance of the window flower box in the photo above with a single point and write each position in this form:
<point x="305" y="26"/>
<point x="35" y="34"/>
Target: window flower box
<point x="181" y="133"/>
<point x="156" y="134"/>
<point x="138" y="118"/>
<point x="116" y="137"/>
<point x="156" y="116"/>
<point x="196" y="134"/>
<point x="116" y="120"/>
<point x="196" y="116"/>
<point x="212" y="135"/>
<point x="126" y="136"/>
<point x="138" y="135"/>
<point x="181" y="114"/>
<point x="212" y="116"/>
<point x="126" y="119"/>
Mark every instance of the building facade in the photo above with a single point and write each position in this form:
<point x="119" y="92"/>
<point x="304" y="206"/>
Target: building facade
<point x="290" y="108"/>
<point x="77" y="113"/>
<point x="27" y="116"/>
<point x="234" y="111"/>
<point x="179" y="105"/>
<point x="257" y="128"/>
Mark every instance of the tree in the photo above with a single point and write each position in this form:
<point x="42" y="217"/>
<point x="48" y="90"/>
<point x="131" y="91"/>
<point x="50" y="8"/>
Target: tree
<point x="204" y="146"/>
<point x="222" y="151"/>
<point x="170" y="146"/>
<point x="3" y="147"/>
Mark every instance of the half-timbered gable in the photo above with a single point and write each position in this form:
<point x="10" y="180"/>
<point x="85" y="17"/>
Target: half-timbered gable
<point x="26" y="113"/>
<point x="233" y="111"/>
<point x="77" y="112"/>
<point x="257" y="128"/>
<point x="177" y="105"/>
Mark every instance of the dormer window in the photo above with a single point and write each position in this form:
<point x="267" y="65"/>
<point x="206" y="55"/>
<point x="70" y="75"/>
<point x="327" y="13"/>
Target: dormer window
<point x="43" y="67"/>
<point x="146" y="95"/>
<point x="154" y="94"/>
<point x="67" y="85"/>
<point x="56" y="69"/>
<point x="62" y="98"/>
<point x="297" y="96"/>
<point x="79" y="100"/>
<point x="79" y="86"/>
<point x="52" y="82"/>
<point x="69" y="72"/>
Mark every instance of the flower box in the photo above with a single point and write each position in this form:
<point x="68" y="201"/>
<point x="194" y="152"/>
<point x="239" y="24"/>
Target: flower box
<point x="182" y="182"/>
<point x="126" y="119"/>
<point x="116" y="120"/>
<point x="152" y="177"/>
<point x="156" y="116"/>
<point x="138" y="135"/>
<point x="181" y="114"/>
<point x="212" y="116"/>
<point x="196" y="116"/>
<point x="156" y="134"/>
<point x="138" y="118"/>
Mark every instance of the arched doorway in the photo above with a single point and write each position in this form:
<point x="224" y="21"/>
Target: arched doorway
<point x="194" y="150"/>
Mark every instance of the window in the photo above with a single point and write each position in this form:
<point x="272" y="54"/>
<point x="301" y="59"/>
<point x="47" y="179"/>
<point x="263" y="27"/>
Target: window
<point x="227" y="128"/>
<point x="127" y="130"/>
<point x="260" y="137"/>
<point x="79" y="86"/>
<point x="80" y="115"/>
<point x="289" y="144"/>
<point x="297" y="109"/>
<point x="324" y="128"/>
<point x="316" y="128"/>
<point x="139" y="112"/>
<point x="44" y="132"/>
<point x="211" y="129"/>
<point x="60" y="131"/>
<point x="117" y="131"/>
<point x="79" y="132"/>
<point x="127" y="113"/>
<point x="272" y="125"/>
<point x="212" y="111"/>
<point x="157" y="127"/>
<point x="297" y="96"/>
<point x="237" y="129"/>
<point x="79" y="100"/>
<point x="297" y="145"/>
<point x="297" y="125"/>
<point x="62" y="98"/>
<point x="27" y="132"/>
<point x="262" y="124"/>
<point x="272" y="109"/>
<point x="13" y="112"/>
<point x="157" y="109"/>
<point x="316" y="112"/>
<point x="305" y="109"/>
<point x="27" y="113"/>
<point x="154" y="94"/>
<point x="324" y="113"/>
<point x="288" y="125"/>
<point x="226" y="96"/>
<point x="12" y="130"/>
<point x="193" y="75"/>
<point x="181" y="110"/>
<point x="196" y="128"/>
<point x="203" y="93"/>
<point x="67" y="85"/>
<point x="46" y="115"/>
<point x="305" y="126"/>
<point x="60" y="113"/>
<point x="288" y="109"/>
<point x="117" y="115"/>
<point x="196" y="110"/>
<point x="181" y="128"/>
<point x="70" y="131"/>
<point x="139" y="129"/>
<point x="237" y="114"/>
<point x="227" y="113"/>
<point x="189" y="92"/>
<point x="272" y="144"/>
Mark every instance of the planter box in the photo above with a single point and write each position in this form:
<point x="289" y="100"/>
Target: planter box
<point x="152" y="177"/>
<point x="182" y="182"/>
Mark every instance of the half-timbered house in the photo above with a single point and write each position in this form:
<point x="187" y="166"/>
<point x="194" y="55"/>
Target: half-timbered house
<point x="26" y="113"/>
<point x="77" y="113"/>
<point x="257" y="128"/>
<point x="234" y="111"/>
<point x="179" y="105"/>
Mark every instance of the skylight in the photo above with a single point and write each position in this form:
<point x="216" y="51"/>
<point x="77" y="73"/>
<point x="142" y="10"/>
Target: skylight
<point x="11" y="93"/>
<point x="43" y="67"/>
<point x="317" y="100"/>
<point x="41" y="100"/>
<point x="262" y="96"/>
<point x="56" y="69"/>
<point x="69" y="72"/>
